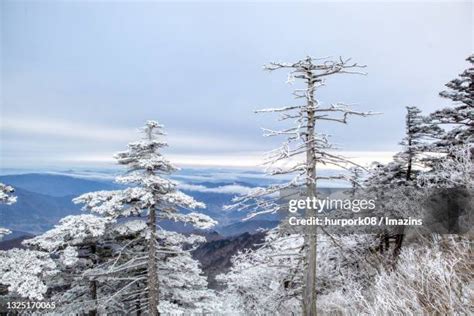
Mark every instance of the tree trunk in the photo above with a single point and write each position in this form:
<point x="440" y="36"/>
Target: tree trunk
<point x="153" y="287"/>
<point x="409" y="167"/>
<point x="93" y="283"/>
<point x="398" y="243"/>
<point x="410" y="158"/>
<point x="399" y="237"/>
<point x="309" y="298"/>
<point x="93" y="288"/>
<point x="137" y="303"/>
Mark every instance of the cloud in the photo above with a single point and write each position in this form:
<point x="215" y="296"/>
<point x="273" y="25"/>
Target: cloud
<point x="63" y="131"/>
<point x="79" y="144"/>
<point x="225" y="189"/>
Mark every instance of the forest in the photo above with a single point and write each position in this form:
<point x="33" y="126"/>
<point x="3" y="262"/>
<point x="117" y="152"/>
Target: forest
<point x="115" y="258"/>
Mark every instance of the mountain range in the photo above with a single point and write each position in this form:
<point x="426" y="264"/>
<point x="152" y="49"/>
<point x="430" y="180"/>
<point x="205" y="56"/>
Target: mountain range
<point x="43" y="199"/>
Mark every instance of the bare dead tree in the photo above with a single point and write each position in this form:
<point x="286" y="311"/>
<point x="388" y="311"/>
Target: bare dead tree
<point x="304" y="149"/>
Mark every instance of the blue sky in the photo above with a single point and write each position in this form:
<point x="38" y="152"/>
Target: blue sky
<point x="77" y="78"/>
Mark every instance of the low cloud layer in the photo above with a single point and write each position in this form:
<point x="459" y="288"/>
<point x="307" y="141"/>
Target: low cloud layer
<point x="225" y="189"/>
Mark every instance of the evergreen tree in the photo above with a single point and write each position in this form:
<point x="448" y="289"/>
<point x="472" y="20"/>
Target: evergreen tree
<point x="459" y="119"/>
<point x="26" y="272"/>
<point x="419" y="134"/>
<point x="78" y="243"/>
<point x="147" y="252"/>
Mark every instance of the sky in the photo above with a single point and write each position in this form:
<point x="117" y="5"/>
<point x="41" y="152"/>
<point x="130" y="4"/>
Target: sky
<point x="78" y="78"/>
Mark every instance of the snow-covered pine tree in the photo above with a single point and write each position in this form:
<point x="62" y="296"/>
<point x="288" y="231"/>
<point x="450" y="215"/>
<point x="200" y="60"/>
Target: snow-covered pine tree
<point x="458" y="119"/>
<point x="454" y="170"/>
<point x="419" y="134"/>
<point x="146" y="253"/>
<point x="26" y="272"/>
<point x="398" y="178"/>
<point x="304" y="150"/>
<point x="356" y="178"/>
<point x="7" y="198"/>
<point x="443" y="260"/>
<point x="78" y="243"/>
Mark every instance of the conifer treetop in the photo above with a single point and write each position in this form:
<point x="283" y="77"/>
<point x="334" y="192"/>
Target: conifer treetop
<point x="461" y="116"/>
<point x="144" y="154"/>
<point x="305" y="147"/>
<point x="150" y="188"/>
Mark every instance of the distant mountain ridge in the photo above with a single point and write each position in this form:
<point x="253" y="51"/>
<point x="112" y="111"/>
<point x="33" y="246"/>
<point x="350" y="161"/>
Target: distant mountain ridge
<point x="43" y="199"/>
<point x="56" y="185"/>
<point x="34" y="212"/>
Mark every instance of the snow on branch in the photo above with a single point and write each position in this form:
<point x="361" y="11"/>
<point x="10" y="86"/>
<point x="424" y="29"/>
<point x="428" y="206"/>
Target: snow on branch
<point x="4" y="231"/>
<point x="127" y="202"/>
<point x="25" y="271"/>
<point x="305" y="147"/>
<point x="312" y="68"/>
<point x="6" y="196"/>
<point x="72" y="230"/>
